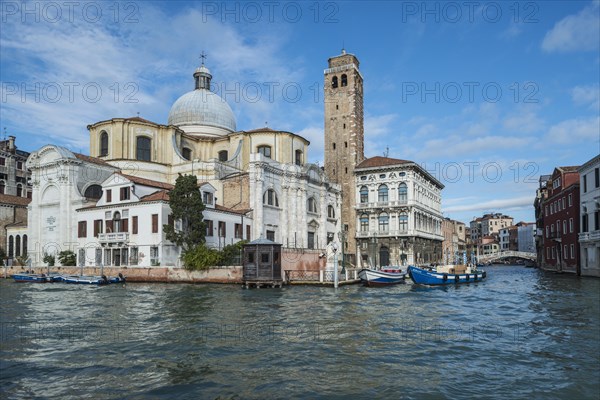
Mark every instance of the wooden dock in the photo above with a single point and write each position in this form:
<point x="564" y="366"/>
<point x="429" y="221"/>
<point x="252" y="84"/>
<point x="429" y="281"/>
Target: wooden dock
<point x="248" y="284"/>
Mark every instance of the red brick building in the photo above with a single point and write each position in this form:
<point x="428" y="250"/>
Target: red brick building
<point x="561" y="221"/>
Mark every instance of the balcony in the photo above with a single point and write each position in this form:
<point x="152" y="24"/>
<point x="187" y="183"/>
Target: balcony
<point x="115" y="237"/>
<point x="589" y="236"/>
<point x="368" y="234"/>
<point x="382" y="204"/>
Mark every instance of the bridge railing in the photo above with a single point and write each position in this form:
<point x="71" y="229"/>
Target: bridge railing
<point x="506" y="254"/>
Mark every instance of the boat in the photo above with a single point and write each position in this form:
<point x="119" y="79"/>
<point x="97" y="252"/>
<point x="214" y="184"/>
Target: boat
<point x="381" y="277"/>
<point x="92" y="280"/>
<point x="32" y="277"/>
<point x="445" y="274"/>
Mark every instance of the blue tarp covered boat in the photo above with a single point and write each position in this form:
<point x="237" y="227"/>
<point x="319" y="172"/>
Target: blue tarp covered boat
<point x="445" y="276"/>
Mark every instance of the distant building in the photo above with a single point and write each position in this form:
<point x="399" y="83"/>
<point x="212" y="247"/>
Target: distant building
<point x="490" y="225"/>
<point x="526" y="236"/>
<point x="398" y="212"/>
<point x="589" y="236"/>
<point x="489" y="245"/>
<point x="15" y="195"/>
<point x="538" y="204"/>
<point x="561" y="221"/>
<point x="454" y="233"/>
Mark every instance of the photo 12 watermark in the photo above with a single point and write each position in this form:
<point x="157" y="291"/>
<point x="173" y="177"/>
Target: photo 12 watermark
<point x="54" y="12"/>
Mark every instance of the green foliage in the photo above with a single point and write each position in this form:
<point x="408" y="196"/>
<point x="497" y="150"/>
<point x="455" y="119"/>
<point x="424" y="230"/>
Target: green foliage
<point x="49" y="259"/>
<point x="201" y="257"/>
<point x="186" y="205"/>
<point x="2" y="253"/>
<point x="232" y="253"/>
<point x="67" y="258"/>
<point x="22" y="260"/>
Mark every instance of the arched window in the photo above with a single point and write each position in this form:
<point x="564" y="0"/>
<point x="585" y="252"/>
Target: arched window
<point x="344" y="80"/>
<point x="186" y="153"/>
<point x="24" y="245"/>
<point x="223" y="156"/>
<point x="402" y="193"/>
<point x="330" y="211"/>
<point x="334" y="82"/>
<point x="382" y="194"/>
<point x="384" y="222"/>
<point x="312" y="205"/>
<point x="17" y="246"/>
<point x="117" y="223"/>
<point x="11" y="247"/>
<point x="143" y="148"/>
<point x="364" y="223"/>
<point x="93" y="192"/>
<point x="270" y="198"/>
<point x="2" y="187"/>
<point x="103" y="144"/>
<point x="264" y="150"/>
<point x="19" y="190"/>
<point x="403" y="222"/>
<point x="364" y="194"/>
<point x="298" y="157"/>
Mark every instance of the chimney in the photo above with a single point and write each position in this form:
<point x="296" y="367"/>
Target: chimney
<point x="11" y="143"/>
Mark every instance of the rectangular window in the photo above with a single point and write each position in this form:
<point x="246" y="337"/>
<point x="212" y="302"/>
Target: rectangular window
<point x="597" y="220"/>
<point x="311" y="240"/>
<point x="572" y="252"/>
<point x="584" y="221"/>
<point x="238" y="231"/>
<point x="597" y="176"/>
<point x="265" y="257"/>
<point x="134" y="224"/>
<point x="207" y="198"/>
<point x="209" y="227"/>
<point x="154" y="255"/>
<point x="133" y="258"/>
<point x="570" y="225"/>
<point x="97" y="227"/>
<point x="565" y="252"/>
<point x="563" y="207"/>
<point x="19" y="164"/>
<point x="248" y="232"/>
<point x="585" y="184"/>
<point x="82" y="229"/>
<point x="154" y="223"/>
<point x="124" y="193"/>
<point x="108" y="195"/>
<point x="570" y="199"/>
<point x="2" y="161"/>
<point x="125" y="225"/>
<point x="222" y="229"/>
<point x="565" y="227"/>
<point x="271" y="235"/>
<point x="558" y="205"/>
<point x="546" y="207"/>
<point x="553" y="252"/>
<point x="547" y="253"/>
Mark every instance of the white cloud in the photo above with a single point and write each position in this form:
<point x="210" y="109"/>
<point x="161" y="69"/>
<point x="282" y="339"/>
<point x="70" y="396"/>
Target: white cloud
<point x="379" y="125"/>
<point x="499" y="205"/>
<point x="579" y="32"/>
<point x="587" y="95"/>
<point x="586" y="130"/>
<point x="524" y="121"/>
<point x="315" y="135"/>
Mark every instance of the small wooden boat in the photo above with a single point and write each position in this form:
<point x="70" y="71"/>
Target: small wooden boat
<point x="445" y="275"/>
<point x="381" y="277"/>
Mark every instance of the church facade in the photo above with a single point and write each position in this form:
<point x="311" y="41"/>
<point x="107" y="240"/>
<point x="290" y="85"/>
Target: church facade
<point x="258" y="181"/>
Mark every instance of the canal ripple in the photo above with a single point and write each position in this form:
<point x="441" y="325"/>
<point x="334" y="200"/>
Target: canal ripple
<point x="522" y="333"/>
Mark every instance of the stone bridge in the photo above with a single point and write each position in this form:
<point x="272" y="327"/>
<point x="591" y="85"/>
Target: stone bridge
<point x="506" y="254"/>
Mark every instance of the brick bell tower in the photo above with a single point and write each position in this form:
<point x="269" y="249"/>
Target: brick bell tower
<point x="344" y="136"/>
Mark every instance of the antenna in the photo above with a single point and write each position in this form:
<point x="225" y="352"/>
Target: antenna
<point x="386" y="153"/>
<point x="203" y="56"/>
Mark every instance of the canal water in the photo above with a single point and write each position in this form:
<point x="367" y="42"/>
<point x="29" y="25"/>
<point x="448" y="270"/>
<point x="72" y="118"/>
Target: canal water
<point x="522" y="333"/>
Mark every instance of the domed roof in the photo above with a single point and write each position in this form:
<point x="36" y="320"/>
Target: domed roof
<point x="202" y="107"/>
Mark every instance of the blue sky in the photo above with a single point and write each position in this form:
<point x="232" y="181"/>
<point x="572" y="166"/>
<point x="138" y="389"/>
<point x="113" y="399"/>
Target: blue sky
<point x="485" y="95"/>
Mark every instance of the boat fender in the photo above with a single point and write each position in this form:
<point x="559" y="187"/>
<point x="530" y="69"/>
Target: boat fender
<point x="445" y="277"/>
<point x="467" y="276"/>
<point x="456" y="278"/>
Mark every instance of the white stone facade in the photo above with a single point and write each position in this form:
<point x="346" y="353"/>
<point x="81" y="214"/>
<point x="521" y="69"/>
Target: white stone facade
<point x="589" y="236"/>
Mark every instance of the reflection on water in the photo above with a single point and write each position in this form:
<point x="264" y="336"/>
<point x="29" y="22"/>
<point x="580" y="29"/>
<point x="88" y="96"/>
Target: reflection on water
<point x="521" y="333"/>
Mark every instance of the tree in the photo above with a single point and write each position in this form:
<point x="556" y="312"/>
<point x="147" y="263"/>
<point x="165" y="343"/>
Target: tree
<point x="186" y="206"/>
<point x="49" y="259"/>
<point x="67" y="258"/>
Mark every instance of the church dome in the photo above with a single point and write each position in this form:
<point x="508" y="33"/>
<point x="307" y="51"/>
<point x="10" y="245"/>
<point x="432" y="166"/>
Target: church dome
<point x="201" y="107"/>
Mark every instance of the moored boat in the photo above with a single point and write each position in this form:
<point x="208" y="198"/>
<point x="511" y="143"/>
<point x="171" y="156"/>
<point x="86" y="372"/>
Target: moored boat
<point x="31" y="277"/>
<point x="385" y="276"/>
<point x="445" y="275"/>
<point x="92" y="280"/>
